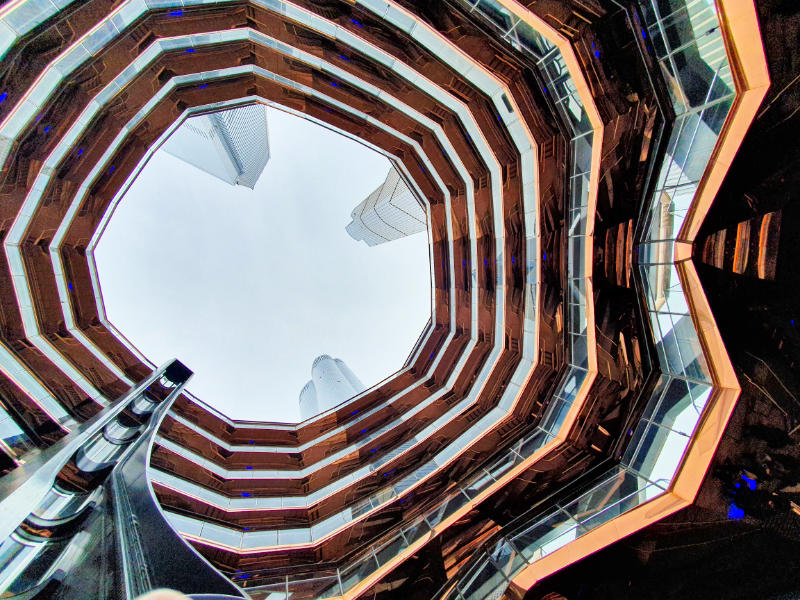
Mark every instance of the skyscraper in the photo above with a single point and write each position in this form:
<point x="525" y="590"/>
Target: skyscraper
<point x="572" y="419"/>
<point x="232" y="145"/>
<point x="388" y="213"/>
<point x="332" y="382"/>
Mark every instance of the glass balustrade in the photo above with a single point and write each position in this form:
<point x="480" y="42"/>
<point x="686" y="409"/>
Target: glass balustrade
<point x="690" y="48"/>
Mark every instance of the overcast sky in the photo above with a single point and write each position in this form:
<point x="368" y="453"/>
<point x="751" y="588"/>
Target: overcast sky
<point x="248" y="287"/>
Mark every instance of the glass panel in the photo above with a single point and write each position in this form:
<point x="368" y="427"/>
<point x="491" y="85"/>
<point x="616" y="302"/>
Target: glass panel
<point x="556" y="413"/>
<point x="571" y="109"/>
<point x="390" y="549"/>
<point x="533" y="443"/>
<point x="477" y="485"/>
<point x="260" y="539"/>
<point x="576" y="262"/>
<point x="482" y="582"/>
<point x="678" y="26"/>
<point x="273" y="591"/>
<point x="318" y="588"/>
<point x="531" y="40"/>
<point x="582" y="154"/>
<point x="621" y="505"/>
<point x="288" y="537"/>
<point x="580" y="191"/>
<point x="500" y="466"/>
<point x="12" y="436"/>
<point x="416" y="531"/>
<point x="531" y="540"/>
<point x="27" y="15"/>
<point x="498" y="15"/>
<point x="507" y="558"/>
<point x="694" y="82"/>
<point x="660" y="453"/>
<point x="571" y="385"/>
<point x="580" y="351"/>
<point x="677" y="410"/>
<point x="223" y="535"/>
<point x="358" y="572"/>
<point x="636" y="435"/>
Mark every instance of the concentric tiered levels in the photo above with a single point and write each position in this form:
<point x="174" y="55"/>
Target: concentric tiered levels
<point x="571" y="386"/>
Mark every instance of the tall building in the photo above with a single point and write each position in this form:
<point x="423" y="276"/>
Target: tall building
<point x="332" y="382"/>
<point x="232" y="145"/>
<point x="388" y="213"/>
<point x="604" y="402"/>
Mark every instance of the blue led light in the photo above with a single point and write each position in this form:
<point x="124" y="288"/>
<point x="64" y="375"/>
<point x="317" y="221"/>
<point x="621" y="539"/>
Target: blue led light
<point x="363" y="431"/>
<point x="176" y="13"/>
<point x="190" y="49"/>
<point x="334" y="84"/>
<point x="203" y="85"/>
<point x="47" y="128"/>
<point x="111" y="170"/>
<point x="3" y="96"/>
<point x="356" y="22"/>
<point x="80" y="151"/>
<point x="751" y="483"/>
<point x="243" y="576"/>
<point x="644" y="33"/>
<point x="544" y="255"/>
<point x="734" y="512"/>
<point x="245" y="494"/>
<point x="251" y="442"/>
<point x="69" y="284"/>
<point x="597" y="53"/>
<point x="248" y="467"/>
<point x="354" y="412"/>
<point x="343" y="57"/>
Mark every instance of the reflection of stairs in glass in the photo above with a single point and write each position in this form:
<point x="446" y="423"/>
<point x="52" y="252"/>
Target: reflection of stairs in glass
<point x="703" y="18"/>
<point x="617" y="254"/>
<point x="746" y="248"/>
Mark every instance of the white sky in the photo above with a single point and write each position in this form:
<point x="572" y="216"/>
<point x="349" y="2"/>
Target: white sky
<point x="248" y="287"/>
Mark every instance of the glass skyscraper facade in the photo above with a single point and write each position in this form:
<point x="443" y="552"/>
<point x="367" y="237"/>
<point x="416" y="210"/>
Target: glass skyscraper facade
<point x="388" y="213"/>
<point x="572" y="387"/>
<point x="232" y="145"/>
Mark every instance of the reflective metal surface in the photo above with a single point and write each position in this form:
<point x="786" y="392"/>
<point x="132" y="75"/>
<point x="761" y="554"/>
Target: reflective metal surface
<point x="92" y="492"/>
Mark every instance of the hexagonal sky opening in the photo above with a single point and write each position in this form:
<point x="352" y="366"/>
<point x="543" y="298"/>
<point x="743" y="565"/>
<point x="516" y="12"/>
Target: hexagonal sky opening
<point x="248" y="287"/>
